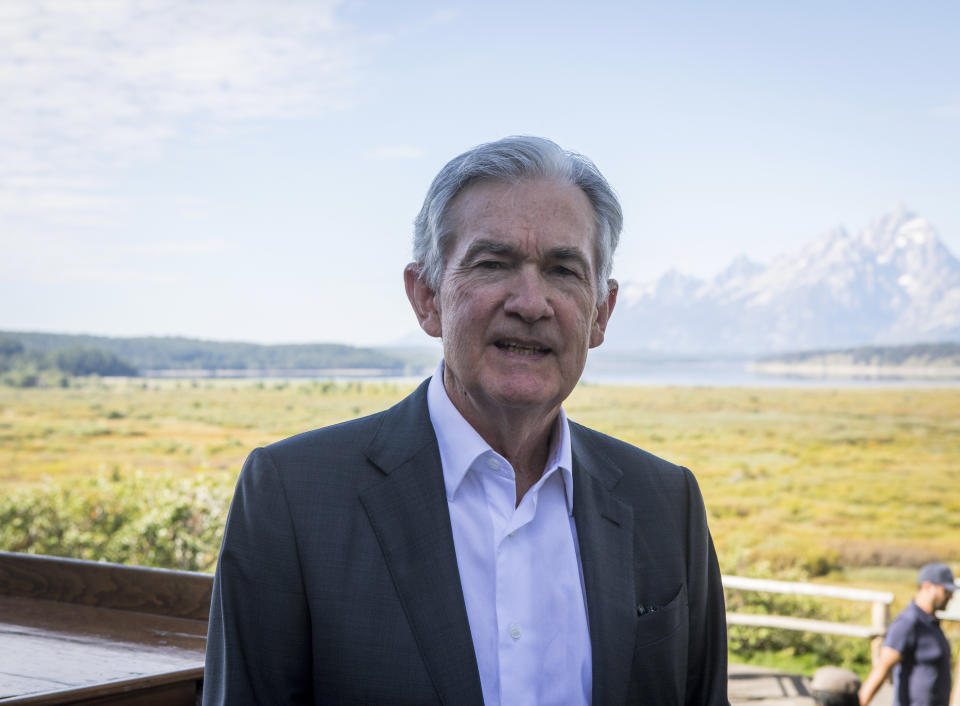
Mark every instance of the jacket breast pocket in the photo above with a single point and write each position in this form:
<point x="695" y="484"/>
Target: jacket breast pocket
<point x="656" y="622"/>
<point x="660" y="652"/>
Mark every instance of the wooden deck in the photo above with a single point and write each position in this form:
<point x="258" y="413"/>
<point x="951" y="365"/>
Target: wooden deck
<point x="768" y="687"/>
<point x="78" y="632"/>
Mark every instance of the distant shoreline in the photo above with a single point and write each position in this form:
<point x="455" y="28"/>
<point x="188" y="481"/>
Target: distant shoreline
<point x="199" y="373"/>
<point x="743" y="373"/>
<point x="825" y="370"/>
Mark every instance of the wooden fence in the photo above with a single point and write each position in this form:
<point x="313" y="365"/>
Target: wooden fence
<point x="64" y="623"/>
<point x="879" y="612"/>
<point x="82" y="632"/>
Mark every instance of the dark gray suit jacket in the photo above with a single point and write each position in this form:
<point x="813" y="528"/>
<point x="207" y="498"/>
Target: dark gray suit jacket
<point x="338" y="581"/>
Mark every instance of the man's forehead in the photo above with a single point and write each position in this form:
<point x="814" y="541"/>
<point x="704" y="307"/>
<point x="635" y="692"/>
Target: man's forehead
<point x="546" y="210"/>
<point x="490" y="198"/>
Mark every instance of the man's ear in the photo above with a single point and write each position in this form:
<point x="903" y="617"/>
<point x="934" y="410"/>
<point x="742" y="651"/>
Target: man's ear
<point x="422" y="299"/>
<point x="604" y="310"/>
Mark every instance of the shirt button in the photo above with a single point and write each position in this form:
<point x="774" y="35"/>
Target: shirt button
<point x="493" y="463"/>
<point x="515" y="631"/>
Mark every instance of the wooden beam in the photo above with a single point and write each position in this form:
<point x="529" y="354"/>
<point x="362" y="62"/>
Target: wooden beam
<point x="807" y="589"/>
<point x="804" y="624"/>
<point x="178" y="594"/>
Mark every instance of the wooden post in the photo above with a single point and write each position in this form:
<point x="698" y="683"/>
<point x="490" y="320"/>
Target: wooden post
<point x="879" y="618"/>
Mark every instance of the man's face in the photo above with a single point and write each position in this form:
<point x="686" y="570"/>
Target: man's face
<point x="941" y="598"/>
<point x="517" y="307"/>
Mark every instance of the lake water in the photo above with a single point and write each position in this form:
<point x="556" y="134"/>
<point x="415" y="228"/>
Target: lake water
<point x="599" y="370"/>
<point x="731" y="373"/>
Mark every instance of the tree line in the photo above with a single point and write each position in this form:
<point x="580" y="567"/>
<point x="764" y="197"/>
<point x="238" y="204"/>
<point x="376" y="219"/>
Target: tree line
<point x="22" y="367"/>
<point x="27" y="357"/>
<point x="945" y="353"/>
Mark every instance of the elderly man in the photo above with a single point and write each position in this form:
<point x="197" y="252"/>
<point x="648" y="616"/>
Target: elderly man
<point x="471" y="545"/>
<point x="915" y="647"/>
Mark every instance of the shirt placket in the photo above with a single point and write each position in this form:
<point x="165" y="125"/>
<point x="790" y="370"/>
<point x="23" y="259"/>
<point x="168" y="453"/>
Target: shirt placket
<point x="516" y="639"/>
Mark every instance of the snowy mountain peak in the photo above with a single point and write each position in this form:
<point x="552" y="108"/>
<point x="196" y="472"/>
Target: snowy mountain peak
<point x="883" y="233"/>
<point x="675" y="283"/>
<point x="739" y="269"/>
<point x="893" y="282"/>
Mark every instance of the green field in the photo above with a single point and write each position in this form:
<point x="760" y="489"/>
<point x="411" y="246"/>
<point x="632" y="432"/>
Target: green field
<point x="854" y="485"/>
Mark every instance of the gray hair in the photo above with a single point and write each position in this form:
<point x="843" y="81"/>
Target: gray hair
<point x="510" y="160"/>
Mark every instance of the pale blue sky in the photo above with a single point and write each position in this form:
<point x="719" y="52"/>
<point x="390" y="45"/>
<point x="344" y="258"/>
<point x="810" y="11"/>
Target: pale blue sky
<point x="250" y="170"/>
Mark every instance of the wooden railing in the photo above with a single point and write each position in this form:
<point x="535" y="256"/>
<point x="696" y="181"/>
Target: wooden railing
<point x="82" y="632"/>
<point x="157" y="620"/>
<point x="879" y="612"/>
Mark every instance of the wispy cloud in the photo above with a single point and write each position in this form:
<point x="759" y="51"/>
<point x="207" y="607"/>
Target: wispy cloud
<point x="443" y="16"/>
<point x="110" y="80"/>
<point x="51" y="257"/>
<point x="51" y="199"/>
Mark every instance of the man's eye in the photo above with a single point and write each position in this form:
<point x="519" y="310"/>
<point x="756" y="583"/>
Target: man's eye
<point x="564" y="271"/>
<point x="490" y="265"/>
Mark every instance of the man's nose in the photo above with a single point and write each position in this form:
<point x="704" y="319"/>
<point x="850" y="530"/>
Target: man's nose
<point x="529" y="296"/>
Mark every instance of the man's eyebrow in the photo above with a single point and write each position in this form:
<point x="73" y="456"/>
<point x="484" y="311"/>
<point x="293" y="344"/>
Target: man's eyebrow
<point x="496" y="247"/>
<point x="491" y="247"/>
<point x="570" y="253"/>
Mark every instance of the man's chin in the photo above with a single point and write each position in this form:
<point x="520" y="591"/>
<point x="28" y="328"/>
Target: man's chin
<point x="533" y="394"/>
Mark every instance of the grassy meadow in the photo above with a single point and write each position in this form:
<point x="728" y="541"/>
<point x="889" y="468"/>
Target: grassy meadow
<point x="856" y="485"/>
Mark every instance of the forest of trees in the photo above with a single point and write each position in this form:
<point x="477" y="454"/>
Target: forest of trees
<point x="23" y="367"/>
<point x="28" y="359"/>
<point x="917" y="354"/>
<point x="31" y="359"/>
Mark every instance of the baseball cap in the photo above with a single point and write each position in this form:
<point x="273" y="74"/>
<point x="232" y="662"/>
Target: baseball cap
<point x="939" y="574"/>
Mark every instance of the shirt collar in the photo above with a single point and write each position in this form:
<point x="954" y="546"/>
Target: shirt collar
<point x="460" y="444"/>
<point x="924" y="615"/>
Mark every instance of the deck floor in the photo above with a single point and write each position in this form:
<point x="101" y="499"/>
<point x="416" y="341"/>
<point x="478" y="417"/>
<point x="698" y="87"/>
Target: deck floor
<point x="768" y="687"/>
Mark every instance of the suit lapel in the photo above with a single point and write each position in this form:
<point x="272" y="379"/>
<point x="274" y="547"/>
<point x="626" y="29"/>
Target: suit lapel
<point x="605" y="534"/>
<point x="408" y="512"/>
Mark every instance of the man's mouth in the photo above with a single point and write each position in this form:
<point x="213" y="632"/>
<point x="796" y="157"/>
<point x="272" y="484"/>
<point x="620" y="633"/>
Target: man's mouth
<point x="522" y="348"/>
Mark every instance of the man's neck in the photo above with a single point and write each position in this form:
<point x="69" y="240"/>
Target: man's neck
<point x="521" y="436"/>
<point x="524" y="444"/>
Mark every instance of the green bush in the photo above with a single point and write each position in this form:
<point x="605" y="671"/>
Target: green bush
<point x="794" y="649"/>
<point x="23" y="377"/>
<point x="174" y="523"/>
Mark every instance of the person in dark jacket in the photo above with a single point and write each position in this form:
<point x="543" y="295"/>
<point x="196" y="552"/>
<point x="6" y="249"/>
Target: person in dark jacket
<point x="472" y="545"/>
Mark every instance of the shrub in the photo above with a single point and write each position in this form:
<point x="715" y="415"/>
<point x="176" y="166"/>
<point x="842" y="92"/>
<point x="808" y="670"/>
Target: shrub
<point x="174" y="523"/>
<point x="753" y="644"/>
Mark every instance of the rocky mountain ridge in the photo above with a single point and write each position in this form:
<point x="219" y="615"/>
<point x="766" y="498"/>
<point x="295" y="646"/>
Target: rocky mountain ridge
<point x="892" y="282"/>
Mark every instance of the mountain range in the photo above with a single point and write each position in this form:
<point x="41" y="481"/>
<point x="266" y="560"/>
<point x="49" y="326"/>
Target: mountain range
<point x="892" y="282"/>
